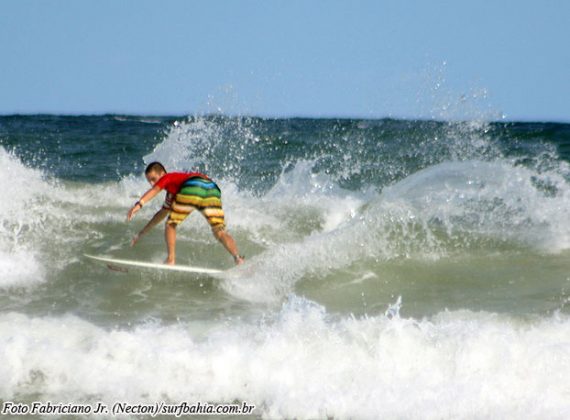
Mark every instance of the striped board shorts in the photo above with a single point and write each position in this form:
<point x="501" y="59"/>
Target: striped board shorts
<point x="200" y="194"/>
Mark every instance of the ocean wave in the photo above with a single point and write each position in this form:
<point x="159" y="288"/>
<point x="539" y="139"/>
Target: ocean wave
<point x="45" y="221"/>
<point x="446" y="210"/>
<point x="306" y="224"/>
<point x="302" y="363"/>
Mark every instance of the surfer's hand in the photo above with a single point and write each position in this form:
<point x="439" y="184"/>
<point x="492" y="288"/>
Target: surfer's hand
<point x="135" y="239"/>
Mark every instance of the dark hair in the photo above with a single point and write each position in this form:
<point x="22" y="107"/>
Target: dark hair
<point x="154" y="166"/>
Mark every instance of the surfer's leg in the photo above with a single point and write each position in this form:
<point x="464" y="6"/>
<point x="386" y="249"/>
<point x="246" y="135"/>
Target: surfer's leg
<point x="180" y="210"/>
<point x="170" y="237"/>
<point x="222" y="235"/>
<point x="228" y="242"/>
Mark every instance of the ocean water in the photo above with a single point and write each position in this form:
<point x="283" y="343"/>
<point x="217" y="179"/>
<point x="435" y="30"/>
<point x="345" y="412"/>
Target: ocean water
<point x="395" y="269"/>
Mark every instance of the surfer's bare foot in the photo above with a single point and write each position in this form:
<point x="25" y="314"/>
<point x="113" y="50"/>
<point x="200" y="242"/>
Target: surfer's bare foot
<point x="169" y="261"/>
<point x="239" y="259"/>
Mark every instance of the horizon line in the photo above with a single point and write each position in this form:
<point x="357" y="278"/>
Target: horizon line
<point x="282" y="117"/>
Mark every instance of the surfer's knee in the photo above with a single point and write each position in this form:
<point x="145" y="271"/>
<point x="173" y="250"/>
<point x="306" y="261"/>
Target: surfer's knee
<point x="219" y="232"/>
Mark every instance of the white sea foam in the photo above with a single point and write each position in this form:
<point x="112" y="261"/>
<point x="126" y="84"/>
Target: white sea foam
<point x="203" y="141"/>
<point x="496" y="199"/>
<point x="446" y="208"/>
<point x="303" y="363"/>
<point x="44" y="220"/>
<point x="306" y="223"/>
<point x="22" y="189"/>
<point x="20" y="267"/>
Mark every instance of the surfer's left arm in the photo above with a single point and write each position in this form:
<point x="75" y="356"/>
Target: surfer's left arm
<point x="147" y="196"/>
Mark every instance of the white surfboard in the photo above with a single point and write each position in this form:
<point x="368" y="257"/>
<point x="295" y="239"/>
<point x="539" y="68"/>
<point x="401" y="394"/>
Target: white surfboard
<point x="124" y="265"/>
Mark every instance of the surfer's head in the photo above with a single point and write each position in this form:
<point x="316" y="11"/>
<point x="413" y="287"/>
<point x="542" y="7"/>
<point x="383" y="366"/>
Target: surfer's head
<point x="154" y="171"/>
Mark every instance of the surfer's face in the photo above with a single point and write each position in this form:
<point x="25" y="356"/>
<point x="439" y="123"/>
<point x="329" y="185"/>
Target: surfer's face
<point x="153" y="176"/>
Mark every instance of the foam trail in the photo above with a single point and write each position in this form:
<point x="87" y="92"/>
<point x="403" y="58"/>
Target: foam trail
<point x="447" y="208"/>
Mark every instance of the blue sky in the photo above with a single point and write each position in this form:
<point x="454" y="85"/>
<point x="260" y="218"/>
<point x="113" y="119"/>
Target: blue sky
<point x="414" y="59"/>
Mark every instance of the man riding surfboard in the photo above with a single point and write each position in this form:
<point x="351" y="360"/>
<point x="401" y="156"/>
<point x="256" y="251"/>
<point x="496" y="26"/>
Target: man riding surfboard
<point x="186" y="192"/>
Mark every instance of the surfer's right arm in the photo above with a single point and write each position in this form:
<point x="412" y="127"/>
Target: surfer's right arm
<point x="147" y="196"/>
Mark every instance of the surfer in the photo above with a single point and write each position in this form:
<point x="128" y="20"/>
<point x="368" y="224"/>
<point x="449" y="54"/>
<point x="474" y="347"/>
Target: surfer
<point x="185" y="192"/>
